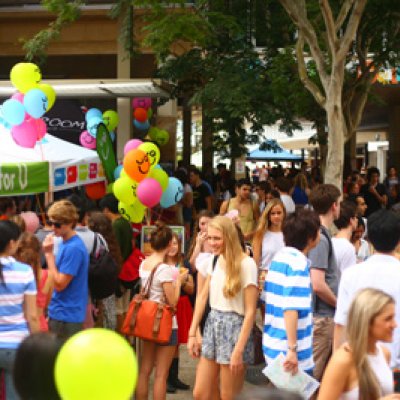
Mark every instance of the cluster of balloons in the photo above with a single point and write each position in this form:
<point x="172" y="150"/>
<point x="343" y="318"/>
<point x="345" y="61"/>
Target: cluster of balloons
<point x="86" y="369"/>
<point x="94" y="117"/>
<point x="141" y="183"/>
<point x="23" y="111"/>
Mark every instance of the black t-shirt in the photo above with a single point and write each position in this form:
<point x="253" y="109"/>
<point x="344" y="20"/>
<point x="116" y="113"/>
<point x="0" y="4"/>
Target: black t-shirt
<point x="200" y="193"/>
<point x="371" y="200"/>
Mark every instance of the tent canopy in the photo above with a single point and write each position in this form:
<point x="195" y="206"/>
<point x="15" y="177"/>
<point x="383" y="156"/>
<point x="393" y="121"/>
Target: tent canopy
<point x="52" y="165"/>
<point x="271" y="151"/>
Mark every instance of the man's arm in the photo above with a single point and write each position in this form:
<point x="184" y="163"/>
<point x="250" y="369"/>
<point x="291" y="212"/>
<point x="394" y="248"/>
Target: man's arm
<point x="291" y="362"/>
<point x="320" y="287"/>
<point x="61" y="281"/>
<point x="224" y="208"/>
<point x="209" y="203"/>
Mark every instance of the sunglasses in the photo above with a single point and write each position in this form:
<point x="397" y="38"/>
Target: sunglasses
<point x="54" y="223"/>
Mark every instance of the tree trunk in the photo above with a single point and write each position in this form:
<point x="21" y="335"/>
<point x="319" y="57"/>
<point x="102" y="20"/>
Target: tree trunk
<point x="207" y="142"/>
<point x="187" y="132"/>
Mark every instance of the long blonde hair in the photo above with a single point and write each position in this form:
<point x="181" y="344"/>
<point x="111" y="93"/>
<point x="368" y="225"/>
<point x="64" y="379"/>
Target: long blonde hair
<point x="366" y="306"/>
<point x="232" y="253"/>
<point x="265" y="223"/>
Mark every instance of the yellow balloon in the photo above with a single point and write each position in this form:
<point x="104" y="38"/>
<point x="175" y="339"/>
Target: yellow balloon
<point x="160" y="176"/>
<point x="25" y="76"/>
<point x="125" y="189"/>
<point x="50" y="94"/>
<point x="132" y="213"/>
<point x="152" y="151"/>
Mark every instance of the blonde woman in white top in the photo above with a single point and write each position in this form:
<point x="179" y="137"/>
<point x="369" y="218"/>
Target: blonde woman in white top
<point x="360" y="369"/>
<point x="232" y="289"/>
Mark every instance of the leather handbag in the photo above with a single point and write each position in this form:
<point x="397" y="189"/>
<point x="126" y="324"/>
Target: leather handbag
<point x="148" y="319"/>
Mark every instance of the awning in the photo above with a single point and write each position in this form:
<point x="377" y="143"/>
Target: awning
<point x="271" y="151"/>
<point x="92" y="88"/>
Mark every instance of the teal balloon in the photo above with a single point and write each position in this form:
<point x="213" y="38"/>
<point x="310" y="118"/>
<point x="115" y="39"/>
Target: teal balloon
<point x="93" y="112"/>
<point x="117" y="171"/>
<point x="142" y="126"/>
<point x="173" y="194"/>
<point x="92" y="125"/>
<point x="13" y="112"/>
<point x="35" y="102"/>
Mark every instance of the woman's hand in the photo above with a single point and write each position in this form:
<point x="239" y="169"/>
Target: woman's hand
<point x="201" y="238"/>
<point x="194" y="348"/>
<point x="183" y="274"/>
<point x="291" y="363"/>
<point x="236" y="362"/>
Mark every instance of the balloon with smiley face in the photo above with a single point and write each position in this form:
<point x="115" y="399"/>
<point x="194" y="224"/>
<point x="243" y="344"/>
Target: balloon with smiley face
<point x="111" y="119"/>
<point x="173" y="194"/>
<point x="25" y="76"/>
<point x="136" y="164"/>
<point x="35" y="102"/>
<point x="133" y="212"/>
<point x="160" y="136"/>
<point x="92" y="125"/>
<point x="152" y="151"/>
<point x="125" y="190"/>
<point x="87" y="140"/>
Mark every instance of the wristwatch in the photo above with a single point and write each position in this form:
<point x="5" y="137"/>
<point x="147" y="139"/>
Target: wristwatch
<point x="293" y="347"/>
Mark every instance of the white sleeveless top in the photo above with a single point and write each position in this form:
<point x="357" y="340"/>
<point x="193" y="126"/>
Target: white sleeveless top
<point x="382" y="371"/>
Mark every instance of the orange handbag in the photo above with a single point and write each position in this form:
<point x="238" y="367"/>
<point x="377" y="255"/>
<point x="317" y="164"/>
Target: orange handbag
<point x="148" y="319"/>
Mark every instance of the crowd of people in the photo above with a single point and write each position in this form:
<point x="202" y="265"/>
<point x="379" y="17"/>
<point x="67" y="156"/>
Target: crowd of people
<point x="320" y="262"/>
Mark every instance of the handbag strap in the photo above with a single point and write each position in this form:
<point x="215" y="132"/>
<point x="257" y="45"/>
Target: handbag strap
<point x="146" y="289"/>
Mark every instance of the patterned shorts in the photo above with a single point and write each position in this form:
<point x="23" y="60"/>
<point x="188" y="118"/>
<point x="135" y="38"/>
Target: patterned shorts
<point x="220" y="336"/>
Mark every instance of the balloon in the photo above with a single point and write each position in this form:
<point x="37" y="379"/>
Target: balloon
<point x="110" y="188"/>
<point x="95" y="191"/>
<point x="50" y="94"/>
<point x="125" y="190"/>
<point x="173" y="194"/>
<point x="35" y="102"/>
<point x="132" y="213"/>
<point x="96" y="364"/>
<point x="87" y="140"/>
<point x="162" y="137"/>
<point x="117" y="171"/>
<point x="136" y="164"/>
<point x="25" y="76"/>
<point x="142" y="102"/>
<point x="25" y="134"/>
<point x="31" y="221"/>
<point x="142" y="126"/>
<point x="111" y="119"/>
<point x="152" y="151"/>
<point x="123" y="174"/>
<point x="132" y="144"/>
<point x="93" y="112"/>
<point x="41" y="128"/>
<point x="140" y="114"/>
<point x="149" y="192"/>
<point x="92" y="125"/>
<point x="160" y="176"/>
<point x="13" y="112"/>
<point x="149" y="113"/>
<point x="18" y="96"/>
<point x="112" y="136"/>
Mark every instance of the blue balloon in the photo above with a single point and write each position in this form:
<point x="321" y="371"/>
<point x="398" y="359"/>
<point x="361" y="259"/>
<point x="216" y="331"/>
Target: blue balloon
<point x="173" y="194"/>
<point x="112" y="136"/>
<point x="92" y="125"/>
<point x="93" y="112"/>
<point x="117" y="171"/>
<point x="35" y="102"/>
<point x="13" y="112"/>
<point x="142" y="126"/>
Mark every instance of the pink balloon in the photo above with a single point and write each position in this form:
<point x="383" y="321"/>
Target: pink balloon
<point x="87" y="140"/>
<point x="132" y="144"/>
<point x="142" y="102"/>
<point x="19" y="97"/>
<point x="149" y="192"/>
<point x="25" y="134"/>
<point x="41" y="128"/>
<point x="31" y="221"/>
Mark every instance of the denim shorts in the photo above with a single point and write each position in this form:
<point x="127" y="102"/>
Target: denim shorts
<point x="220" y="335"/>
<point x="173" y="340"/>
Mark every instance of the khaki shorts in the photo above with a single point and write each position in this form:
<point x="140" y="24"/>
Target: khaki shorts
<point x="122" y="303"/>
<point x="322" y="344"/>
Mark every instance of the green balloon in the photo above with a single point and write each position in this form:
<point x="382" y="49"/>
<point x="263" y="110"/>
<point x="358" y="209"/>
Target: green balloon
<point x="111" y="119"/>
<point x="149" y="113"/>
<point x="153" y="131"/>
<point x="125" y="189"/>
<point x="96" y="364"/>
<point x="152" y="151"/>
<point x="132" y="213"/>
<point x="160" y="136"/>
<point x="110" y="187"/>
<point x="160" y="176"/>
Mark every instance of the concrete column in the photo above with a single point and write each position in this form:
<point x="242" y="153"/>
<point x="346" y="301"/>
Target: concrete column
<point x="123" y="104"/>
<point x="394" y="138"/>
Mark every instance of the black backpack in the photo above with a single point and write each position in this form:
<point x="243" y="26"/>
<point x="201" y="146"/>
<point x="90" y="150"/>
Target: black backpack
<point x="103" y="270"/>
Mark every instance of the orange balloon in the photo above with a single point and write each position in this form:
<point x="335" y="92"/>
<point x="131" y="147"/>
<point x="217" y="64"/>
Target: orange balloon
<point x="140" y="114"/>
<point x="95" y="191"/>
<point x="136" y="164"/>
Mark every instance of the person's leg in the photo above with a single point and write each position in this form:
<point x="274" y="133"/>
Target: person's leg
<point x="7" y="357"/>
<point x="322" y="344"/>
<point x="147" y="360"/>
<point x="231" y="384"/>
<point x="206" y="384"/>
<point x="64" y="329"/>
<point x="164" y="356"/>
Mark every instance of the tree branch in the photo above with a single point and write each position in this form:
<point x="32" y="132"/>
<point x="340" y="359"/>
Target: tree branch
<point x="307" y="82"/>
<point x="351" y="29"/>
<point x="330" y="24"/>
<point x="346" y="6"/>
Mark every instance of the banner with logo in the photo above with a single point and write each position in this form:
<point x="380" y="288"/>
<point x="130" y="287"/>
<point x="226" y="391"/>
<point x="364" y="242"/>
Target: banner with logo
<point x="24" y="178"/>
<point x="105" y="150"/>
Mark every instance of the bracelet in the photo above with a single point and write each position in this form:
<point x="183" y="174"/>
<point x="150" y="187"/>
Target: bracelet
<point x="192" y="335"/>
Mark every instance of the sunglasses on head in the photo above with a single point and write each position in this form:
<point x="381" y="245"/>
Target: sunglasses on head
<point x="56" y="224"/>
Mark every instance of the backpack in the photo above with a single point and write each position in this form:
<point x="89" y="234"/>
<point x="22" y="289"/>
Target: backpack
<point x="103" y="270"/>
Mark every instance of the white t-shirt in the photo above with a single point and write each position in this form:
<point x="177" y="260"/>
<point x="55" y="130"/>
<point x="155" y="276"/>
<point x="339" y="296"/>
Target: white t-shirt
<point x="201" y="263"/>
<point x="363" y="251"/>
<point x="234" y="304"/>
<point x="163" y="274"/>
<point x="288" y="203"/>
<point x="272" y="242"/>
<point x="379" y="272"/>
<point x="345" y="253"/>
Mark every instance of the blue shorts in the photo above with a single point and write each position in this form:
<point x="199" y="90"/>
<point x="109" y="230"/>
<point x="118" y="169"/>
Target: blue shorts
<point x="173" y="340"/>
<point x="220" y="335"/>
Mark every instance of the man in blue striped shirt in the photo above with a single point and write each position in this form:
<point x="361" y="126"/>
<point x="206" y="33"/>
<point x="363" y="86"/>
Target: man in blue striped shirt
<point x="287" y="290"/>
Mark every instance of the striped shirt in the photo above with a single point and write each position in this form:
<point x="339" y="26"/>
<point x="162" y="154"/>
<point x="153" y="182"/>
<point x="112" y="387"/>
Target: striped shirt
<point x="288" y="287"/>
<point x="19" y="281"/>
